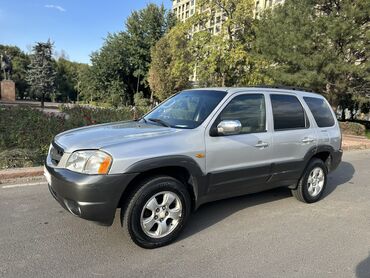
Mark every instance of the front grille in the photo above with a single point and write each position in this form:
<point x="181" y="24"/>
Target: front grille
<point x="56" y="154"/>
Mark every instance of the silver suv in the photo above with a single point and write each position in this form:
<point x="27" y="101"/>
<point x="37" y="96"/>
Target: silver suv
<point x="196" y="147"/>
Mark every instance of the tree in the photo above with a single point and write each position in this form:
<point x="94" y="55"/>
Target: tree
<point x="67" y="78"/>
<point x="322" y="45"/>
<point x="120" y="68"/>
<point x="170" y="68"/>
<point x="110" y="78"/>
<point x="224" y="58"/>
<point x="144" y="28"/>
<point x="41" y="73"/>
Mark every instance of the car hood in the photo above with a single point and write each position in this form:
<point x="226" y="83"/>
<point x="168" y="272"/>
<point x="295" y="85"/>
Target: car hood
<point x="105" y="135"/>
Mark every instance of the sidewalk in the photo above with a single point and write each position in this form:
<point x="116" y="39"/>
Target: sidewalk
<point x="350" y="142"/>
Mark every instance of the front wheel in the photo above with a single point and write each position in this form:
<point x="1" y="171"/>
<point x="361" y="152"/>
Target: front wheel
<point x="313" y="182"/>
<point x="156" y="212"/>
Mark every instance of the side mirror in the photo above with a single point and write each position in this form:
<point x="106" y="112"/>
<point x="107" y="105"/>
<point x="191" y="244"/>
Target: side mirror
<point x="229" y="127"/>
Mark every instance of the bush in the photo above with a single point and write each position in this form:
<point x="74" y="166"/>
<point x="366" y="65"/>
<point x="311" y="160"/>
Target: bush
<point x="26" y="133"/>
<point x="351" y="128"/>
<point x="28" y="129"/>
<point x="19" y="158"/>
<point x="88" y="115"/>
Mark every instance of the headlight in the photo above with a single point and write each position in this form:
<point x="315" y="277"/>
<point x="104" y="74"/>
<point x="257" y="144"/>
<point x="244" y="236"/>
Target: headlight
<point x="89" y="162"/>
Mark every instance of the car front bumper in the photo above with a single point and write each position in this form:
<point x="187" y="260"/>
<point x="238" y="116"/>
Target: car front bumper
<point x="91" y="197"/>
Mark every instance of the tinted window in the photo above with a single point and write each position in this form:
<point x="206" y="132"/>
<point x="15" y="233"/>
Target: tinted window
<point x="320" y="111"/>
<point x="249" y="110"/>
<point x="288" y="112"/>
<point x="187" y="109"/>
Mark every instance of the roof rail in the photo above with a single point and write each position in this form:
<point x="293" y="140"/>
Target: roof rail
<point x="293" y="88"/>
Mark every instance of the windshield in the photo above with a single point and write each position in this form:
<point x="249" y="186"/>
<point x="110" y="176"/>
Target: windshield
<point x="187" y="109"/>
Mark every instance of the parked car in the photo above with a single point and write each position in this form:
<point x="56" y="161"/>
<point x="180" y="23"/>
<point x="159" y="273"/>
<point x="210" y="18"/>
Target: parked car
<point x="196" y="147"/>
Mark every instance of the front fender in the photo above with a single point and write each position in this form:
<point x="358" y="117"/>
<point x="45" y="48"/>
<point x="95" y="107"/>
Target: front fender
<point x="199" y="183"/>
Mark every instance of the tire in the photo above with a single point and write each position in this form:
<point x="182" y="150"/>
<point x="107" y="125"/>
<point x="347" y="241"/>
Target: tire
<point x="151" y="203"/>
<point x="313" y="182"/>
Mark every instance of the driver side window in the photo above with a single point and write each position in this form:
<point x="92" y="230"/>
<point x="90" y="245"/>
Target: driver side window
<point x="249" y="109"/>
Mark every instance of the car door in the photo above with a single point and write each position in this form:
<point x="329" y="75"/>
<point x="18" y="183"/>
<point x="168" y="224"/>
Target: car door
<point x="240" y="163"/>
<point x="294" y="138"/>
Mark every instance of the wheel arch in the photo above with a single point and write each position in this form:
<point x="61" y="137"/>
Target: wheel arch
<point x="182" y="168"/>
<point x="323" y="152"/>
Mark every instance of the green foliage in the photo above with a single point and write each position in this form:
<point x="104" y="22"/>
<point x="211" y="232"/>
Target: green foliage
<point x="78" y="116"/>
<point x="322" y="45"/>
<point x="144" y="28"/>
<point x="20" y="62"/>
<point x="142" y="105"/>
<point x="225" y="59"/>
<point x="352" y="128"/>
<point x="221" y="59"/>
<point x="26" y="133"/>
<point x="171" y="63"/>
<point x="18" y="158"/>
<point x="68" y="76"/>
<point x="120" y="68"/>
<point x="367" y="133"/>
<point x="67" y="80"/>
<point x="41" y="73"/>
<point x="29" y="129"/>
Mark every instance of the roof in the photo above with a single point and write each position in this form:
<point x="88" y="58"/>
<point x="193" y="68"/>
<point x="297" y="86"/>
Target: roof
<point x="232" y="90"/>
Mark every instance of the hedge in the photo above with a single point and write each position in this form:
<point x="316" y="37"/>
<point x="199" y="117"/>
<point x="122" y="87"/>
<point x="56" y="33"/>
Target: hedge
<point x="26" y="133"/>
<point x="352" y="128"/>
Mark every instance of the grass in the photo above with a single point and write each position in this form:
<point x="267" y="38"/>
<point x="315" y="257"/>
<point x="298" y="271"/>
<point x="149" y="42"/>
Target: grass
<point x="367" y="133"/>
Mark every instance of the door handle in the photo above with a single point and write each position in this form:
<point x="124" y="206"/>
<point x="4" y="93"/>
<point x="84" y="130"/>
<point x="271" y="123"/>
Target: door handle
<point x="261" y="145"/>
<point x="307" y="140"/>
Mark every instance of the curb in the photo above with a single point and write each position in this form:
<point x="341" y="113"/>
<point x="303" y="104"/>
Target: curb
<point x="21" y="173"/>
<point x="352" y="142"/>
<point x="356" y="147"/>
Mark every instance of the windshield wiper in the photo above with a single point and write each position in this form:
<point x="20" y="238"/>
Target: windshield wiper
<point x="160" y="122"/>
<point x="145" y="121"/>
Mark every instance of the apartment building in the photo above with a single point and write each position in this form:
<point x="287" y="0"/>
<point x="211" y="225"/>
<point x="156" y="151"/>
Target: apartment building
<point x="264" y="4"/>
<point x="184" y="9"/>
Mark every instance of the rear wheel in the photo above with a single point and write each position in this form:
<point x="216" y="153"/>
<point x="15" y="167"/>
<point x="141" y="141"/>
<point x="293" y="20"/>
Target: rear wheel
<point x="313" y="182"/>
<point x="156" y="212"/>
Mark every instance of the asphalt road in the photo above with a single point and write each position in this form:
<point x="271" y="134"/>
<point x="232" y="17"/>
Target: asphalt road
<point x="263" y="235"/>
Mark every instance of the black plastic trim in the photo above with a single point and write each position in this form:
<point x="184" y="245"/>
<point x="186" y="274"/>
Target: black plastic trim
<point x="97" y="195"/>
<point x="199" y="183"/>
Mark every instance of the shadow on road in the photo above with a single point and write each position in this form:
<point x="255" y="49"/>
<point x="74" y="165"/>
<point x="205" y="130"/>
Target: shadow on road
<point x="363" y="268"/>
<point x="344" y="173"/>
<point x="212" y="213"/>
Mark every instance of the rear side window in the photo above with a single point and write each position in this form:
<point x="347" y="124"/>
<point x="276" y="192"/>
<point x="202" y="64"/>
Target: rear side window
<point x="288" y="112"/>
<point x="320" y="111"/>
